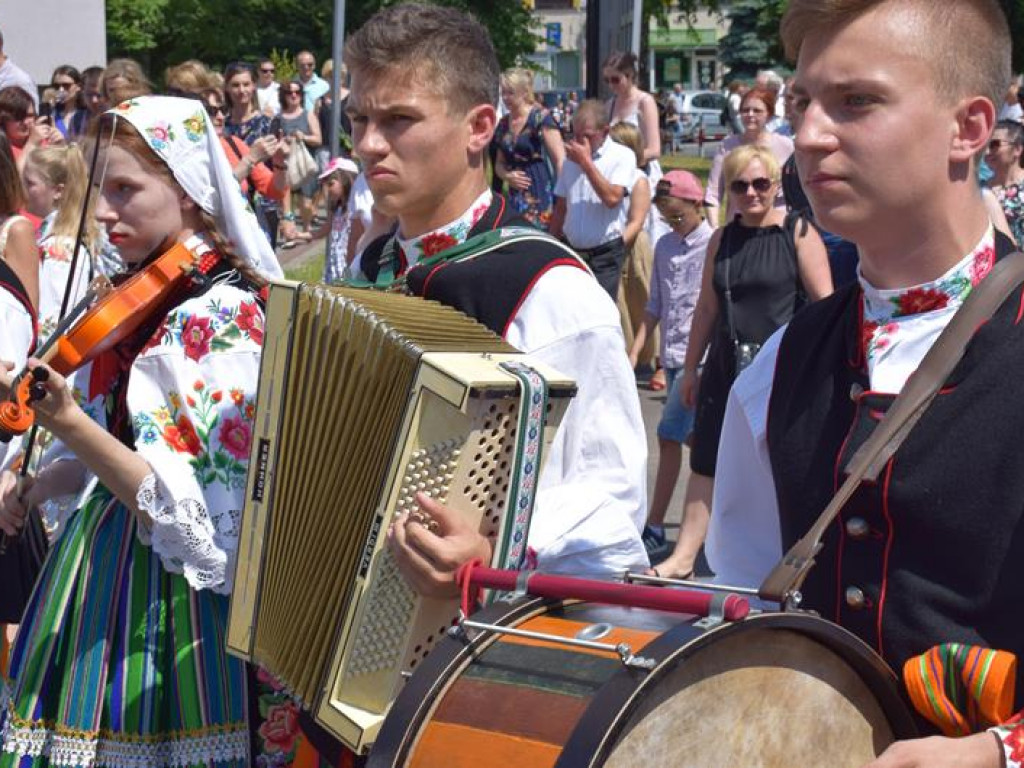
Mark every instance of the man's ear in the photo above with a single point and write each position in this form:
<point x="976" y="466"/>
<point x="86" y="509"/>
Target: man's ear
<point x="481" y="121"/>
<point x="975" y="120"/>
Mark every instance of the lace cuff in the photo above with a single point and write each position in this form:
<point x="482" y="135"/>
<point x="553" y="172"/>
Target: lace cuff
<point x="189" y="539"/>
<point x="1011" y="739"/>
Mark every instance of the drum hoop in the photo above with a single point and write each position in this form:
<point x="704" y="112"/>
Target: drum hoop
<point x="597" y="731"/>
<point x="439" y="670"/>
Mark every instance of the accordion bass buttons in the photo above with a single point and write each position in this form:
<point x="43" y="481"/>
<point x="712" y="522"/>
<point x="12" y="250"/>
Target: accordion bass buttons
<point x="857" y="528"/>
<point x="856" y="599"/>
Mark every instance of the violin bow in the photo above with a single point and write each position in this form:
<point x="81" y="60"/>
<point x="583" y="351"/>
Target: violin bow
<point x="66" y="319"/>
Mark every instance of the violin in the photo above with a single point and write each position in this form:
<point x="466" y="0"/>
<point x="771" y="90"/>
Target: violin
<point x="103" y="319"/>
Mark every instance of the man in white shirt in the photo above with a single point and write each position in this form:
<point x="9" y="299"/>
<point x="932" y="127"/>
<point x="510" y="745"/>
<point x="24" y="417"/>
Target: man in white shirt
<point x="590" y="194"/>
<point x="887" y="149"/>
<point x="313" y="86"/>
<point x="421" y="127"/>
<point x="12" y="74"/>
<point x="267" y="88"/>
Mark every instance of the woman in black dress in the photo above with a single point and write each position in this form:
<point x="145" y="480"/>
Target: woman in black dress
<point x="758" y="270"/>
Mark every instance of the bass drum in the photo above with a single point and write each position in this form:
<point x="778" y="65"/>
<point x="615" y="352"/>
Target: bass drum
<point x="772" y="690"/>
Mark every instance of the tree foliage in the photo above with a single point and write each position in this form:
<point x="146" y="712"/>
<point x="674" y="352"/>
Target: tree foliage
<point x="753" y="42"/>
<point x="160" y="33"/>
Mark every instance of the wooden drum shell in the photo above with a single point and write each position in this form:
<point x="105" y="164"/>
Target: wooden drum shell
<point x="773" y="690"/>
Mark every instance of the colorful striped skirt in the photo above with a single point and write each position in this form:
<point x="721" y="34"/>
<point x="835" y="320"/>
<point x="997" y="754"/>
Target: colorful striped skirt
<point x="118" y="662"/>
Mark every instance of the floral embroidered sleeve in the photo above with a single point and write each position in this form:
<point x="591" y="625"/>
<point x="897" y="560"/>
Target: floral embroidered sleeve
<point x="192" y="397"/>
<point x="1011" y="736"/>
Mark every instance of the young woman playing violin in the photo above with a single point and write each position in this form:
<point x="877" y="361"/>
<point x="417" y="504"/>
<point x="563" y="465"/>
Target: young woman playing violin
<point x="120" y="658"/>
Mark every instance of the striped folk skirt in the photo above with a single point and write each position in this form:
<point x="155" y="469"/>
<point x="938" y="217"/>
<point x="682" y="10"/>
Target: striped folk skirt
<point x="118" y="662"/>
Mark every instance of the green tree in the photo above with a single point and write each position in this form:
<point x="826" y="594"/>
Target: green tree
<point x="753" y="42"/>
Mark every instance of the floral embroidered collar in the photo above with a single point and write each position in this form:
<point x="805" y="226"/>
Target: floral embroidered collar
<point x="886" y="310"/>
<point x="453" y="233"/>
<point x="949" y="290"/>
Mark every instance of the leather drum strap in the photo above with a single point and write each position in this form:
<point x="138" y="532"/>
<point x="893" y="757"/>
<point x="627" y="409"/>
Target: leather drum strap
<point x="783" y="583"/>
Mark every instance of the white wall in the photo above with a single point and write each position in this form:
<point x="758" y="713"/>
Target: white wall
<point x="40" y="35"/>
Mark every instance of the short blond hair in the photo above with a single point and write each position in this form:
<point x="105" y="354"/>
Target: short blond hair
<point x="738" y="160"/>
<point x="519" y="80"/>
<point x="628" y="135"/>
<point x="967" y="41"/>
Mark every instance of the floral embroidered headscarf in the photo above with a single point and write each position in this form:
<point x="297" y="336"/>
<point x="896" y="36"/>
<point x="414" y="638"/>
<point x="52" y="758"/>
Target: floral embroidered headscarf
<point x="178" y="131"/>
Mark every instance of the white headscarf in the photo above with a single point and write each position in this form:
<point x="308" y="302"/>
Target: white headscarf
<point x="178" y="131"/>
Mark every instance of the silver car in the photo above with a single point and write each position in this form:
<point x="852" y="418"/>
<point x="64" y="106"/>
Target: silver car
<point x="703" y="108"/>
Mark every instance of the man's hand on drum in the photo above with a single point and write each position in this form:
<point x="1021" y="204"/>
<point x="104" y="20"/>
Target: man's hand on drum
<point x="431" y="545"/>
<point x="982" y="750"/>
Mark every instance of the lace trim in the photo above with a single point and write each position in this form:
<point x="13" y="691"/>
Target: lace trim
<point x="188" y="539"/>
<point x="68" y="748"/>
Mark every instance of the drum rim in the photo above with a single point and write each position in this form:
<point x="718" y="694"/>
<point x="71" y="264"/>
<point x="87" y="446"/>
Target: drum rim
<point x="597" y="731"/>
<point x="405" y="718"/>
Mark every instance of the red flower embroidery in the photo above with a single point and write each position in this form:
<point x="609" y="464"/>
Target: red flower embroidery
<point x="250" y="321"/>
<point x="182" y="437"/>
<point x="198" y="385"/>
<point x="280" y="728"/>
<point x="1015" y="741"/>
<point x="250" y="411"/>
<point x="217" y="396"/>
<point x="919" y="300"/>
<point x="236" y="436"/>
<point x="478" y="213"/>
<point x="867" y="332"/>
<point x="436" y="242"/>
<point x="982" y="264"/>
<point x="191" y="401"/>
<point x="195" y="337"/>
<point x="237" y="397"/>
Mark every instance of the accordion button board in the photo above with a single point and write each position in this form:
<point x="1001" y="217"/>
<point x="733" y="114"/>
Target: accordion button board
<point x="366" y="399"/>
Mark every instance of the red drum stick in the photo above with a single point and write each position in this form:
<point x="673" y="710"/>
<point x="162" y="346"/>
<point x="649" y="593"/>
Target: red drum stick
<point x="473" y="576"/>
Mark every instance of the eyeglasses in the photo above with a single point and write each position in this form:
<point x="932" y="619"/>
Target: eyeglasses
<point x="996" y="144"/>
<point x="760" y="185"/>
<point x="267" y="71"/>
<point x="64" y="86"/>
<point x="216" y="109"/>
<point x="294" y="91"/>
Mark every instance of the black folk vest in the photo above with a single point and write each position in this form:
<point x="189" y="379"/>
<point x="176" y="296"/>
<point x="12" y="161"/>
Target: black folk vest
<point x="489" y="288"/>
<point x="934" y="551"/>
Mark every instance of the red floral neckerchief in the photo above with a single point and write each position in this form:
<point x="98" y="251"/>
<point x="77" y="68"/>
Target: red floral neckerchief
<point x="453" y="233"/>
<point x="884" y="309"/>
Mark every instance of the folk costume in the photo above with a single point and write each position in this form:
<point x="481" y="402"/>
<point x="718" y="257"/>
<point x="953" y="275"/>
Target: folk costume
<point x="120" y="659"/>
<point x="933" y="552"/>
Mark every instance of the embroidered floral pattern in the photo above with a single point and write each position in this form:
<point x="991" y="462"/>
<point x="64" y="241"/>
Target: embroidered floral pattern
<point x="883" y="310"/>
<point x="194" y="127"/>
<point x="219" y="328"/>
<point x="432" y="243"/>
<point x="1011" y="734"/>
<point x="160" y="134"/>
<point x="216" y="441"/>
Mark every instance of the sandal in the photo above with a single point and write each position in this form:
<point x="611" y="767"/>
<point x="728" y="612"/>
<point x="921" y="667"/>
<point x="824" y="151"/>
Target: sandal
<point x="657" y="382"/>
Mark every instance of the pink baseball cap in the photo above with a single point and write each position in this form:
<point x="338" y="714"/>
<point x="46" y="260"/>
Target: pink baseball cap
<point x="681" y="184"/>
<point x="339" y="164"/>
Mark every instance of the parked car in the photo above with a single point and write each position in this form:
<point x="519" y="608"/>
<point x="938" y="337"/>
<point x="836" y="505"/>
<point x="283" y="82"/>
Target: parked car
<point x="704" y="108"/>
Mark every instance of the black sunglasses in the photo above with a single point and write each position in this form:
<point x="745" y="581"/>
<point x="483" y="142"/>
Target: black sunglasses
<point x="215" y="109"/>
<point x="739" y="186"/>
<point x="267" y="71"/>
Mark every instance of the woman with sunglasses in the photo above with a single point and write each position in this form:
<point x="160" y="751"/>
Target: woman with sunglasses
<point x="1005" y="157"/>
<point x="757" y="107"/>
<point x="249" y="164"/>
<point x="68" y="111"/>
<point x="629" y="104"/>
<point x="759" y="269"/>
<point x="300" y="124"/>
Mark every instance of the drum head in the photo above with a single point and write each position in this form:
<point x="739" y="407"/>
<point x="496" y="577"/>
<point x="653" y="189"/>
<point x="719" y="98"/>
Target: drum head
<point x="763" y="697"/>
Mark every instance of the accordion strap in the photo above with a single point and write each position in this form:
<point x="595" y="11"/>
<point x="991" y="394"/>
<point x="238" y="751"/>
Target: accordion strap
<point x="522" y="485"/>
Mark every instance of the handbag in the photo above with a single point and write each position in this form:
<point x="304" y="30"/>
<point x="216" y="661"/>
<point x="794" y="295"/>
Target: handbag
<point x="301" y="165"/>
<point x="743" y="352"/>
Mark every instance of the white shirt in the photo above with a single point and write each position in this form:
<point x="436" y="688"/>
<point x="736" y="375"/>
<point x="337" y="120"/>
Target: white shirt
<point x="588" y="221"/>
<point x="269" y="100"/>
<point x="592" y="499"/>
<point x="744" y="541"/>
<point x="12" y="74"/>
<point x="14" y="343"/>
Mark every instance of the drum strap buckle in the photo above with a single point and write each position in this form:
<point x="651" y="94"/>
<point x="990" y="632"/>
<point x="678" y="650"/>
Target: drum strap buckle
<point x="622" y="650"/>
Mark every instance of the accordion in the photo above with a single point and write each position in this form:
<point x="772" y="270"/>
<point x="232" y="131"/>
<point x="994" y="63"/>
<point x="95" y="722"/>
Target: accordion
<point x="365" y="399"/>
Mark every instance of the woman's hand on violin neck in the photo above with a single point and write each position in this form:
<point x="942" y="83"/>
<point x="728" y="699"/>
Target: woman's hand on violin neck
<point x="58" y="411"/>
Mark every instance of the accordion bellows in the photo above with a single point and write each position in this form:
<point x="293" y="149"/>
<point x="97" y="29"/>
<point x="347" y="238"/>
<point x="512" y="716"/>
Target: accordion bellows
<point x="366" y="398"/>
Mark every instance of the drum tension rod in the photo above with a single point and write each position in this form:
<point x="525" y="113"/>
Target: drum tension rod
<point x="623" y="650"/>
